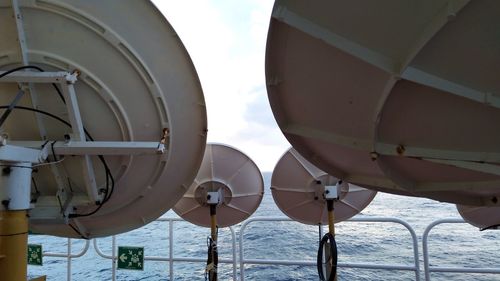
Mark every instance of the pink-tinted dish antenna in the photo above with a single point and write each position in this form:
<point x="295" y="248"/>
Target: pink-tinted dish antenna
<point x="298" y="189"/>
<point x="397" y="96"/>
<point x="235" y="175"/>
<point x="136" y="92"/>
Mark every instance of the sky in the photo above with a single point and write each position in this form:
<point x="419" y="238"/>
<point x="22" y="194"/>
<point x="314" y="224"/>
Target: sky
<point x="226" y="40"/>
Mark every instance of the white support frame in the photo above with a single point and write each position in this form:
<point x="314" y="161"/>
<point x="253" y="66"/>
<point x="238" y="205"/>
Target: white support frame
<point x="77" y="145"/>
<point x="95" y="147"/>
<point x="18" y="17"/>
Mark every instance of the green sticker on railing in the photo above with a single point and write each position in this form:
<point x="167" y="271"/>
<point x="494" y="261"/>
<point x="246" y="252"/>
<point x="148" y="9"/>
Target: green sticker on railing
<point x="131" y="258"/>
<point x="35" y="254"/>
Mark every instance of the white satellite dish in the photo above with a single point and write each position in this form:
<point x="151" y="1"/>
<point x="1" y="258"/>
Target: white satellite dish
<point x="122" y="66"/>
<point x="397" y="96"/>
<point x="482" y="217"/>
<point x="298" y="189"/>
<point x="235" y="175"/>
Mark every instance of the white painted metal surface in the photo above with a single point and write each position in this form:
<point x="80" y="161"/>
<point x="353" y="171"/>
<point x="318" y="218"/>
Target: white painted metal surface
<point x="428" y="268"/>
<point x="241" y="259"/>
<point x="298" y="189"/>
<point x="397" y="96"/>
<point x="229" y="171"/>
<point x="130" y="80"/>
<point x="15" y="179"/>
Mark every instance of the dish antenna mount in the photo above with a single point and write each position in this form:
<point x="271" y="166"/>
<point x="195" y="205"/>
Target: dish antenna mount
<point x="104" y="125"/>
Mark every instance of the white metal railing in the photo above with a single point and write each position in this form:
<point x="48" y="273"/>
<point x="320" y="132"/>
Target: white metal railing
<point x="428" y="269"/>
<point x="69" y="255"/>
<point x="170" y="259"/>
<point x="244" y="261"/>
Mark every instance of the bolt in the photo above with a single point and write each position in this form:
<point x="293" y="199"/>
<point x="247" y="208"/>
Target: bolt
<point x="318" y="182"/>
<point x="6" y="171"/>
<point x="5" y="203"/>
<point x="400" y="149"/>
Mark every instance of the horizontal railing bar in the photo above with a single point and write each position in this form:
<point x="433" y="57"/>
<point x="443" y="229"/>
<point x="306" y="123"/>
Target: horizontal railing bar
<point x="465" y="270"/>
<point x="313" y="263"/>
<point x="183" y="259"/>
<point x="61" y="255"/>
<point x="414" y="268"/>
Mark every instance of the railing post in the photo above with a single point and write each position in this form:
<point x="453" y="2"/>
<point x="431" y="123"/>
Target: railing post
<point x="233" y="237"/>
<point x="171" y="248"/>
<point x="113" y="257"/>
<point x="68" y="271"/>
<point x="242" y="259"/>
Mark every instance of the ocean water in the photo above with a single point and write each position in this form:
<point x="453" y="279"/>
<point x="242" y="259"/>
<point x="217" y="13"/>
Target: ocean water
<point x="450" y="245"/>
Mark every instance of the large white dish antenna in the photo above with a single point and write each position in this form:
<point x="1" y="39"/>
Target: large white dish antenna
<point x="136" y="79"/>
<point x="236" y="175"/>
<point x="398" y="96"/>
<point x="482" y="217"/>
<point x="298" y="189"/>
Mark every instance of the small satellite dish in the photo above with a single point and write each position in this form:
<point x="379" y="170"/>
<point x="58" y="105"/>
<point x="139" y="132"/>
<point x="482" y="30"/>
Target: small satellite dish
<point x="482" y="217"/>
<point x="136" y="92"/>
<point x="232" y="173"/>
<point x="298" y="189"/>
<point x="374" y="95"/>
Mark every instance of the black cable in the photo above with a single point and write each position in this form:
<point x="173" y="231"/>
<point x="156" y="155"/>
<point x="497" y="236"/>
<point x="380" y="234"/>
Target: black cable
<point x="212" y="260"/>
<point x="13" y="103"/>
<point x="34" y="184"/>
<point x="37" y="68"/>
<point x="78" y="232"/>
<point x="109" y="176"/>
<point x="20" y="68"/>
<point x="328" y="237"/>
<point x="13" y="234"/>
<point x="107" y="194"/>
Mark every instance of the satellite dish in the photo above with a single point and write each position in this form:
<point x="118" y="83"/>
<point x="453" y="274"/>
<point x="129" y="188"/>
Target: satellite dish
<point x="298" y="187"/>
<point x="482" y="217"/>
<point x="232" y="172"/>
<point x="136" y="89"/>
<point x="397" y="96"/>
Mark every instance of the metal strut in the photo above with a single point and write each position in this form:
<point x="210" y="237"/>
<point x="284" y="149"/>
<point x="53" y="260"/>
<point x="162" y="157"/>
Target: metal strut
<point x="213" y="256"/>
<point x="327" y="251"/>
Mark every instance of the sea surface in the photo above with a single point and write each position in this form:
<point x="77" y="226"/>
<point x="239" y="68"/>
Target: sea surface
<point x="450" y="245"/>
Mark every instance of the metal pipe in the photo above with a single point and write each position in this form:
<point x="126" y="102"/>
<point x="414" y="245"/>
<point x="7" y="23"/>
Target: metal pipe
<point x="13" y="244"/>
<point x="171" y="248"/>
<point x="425" y="236"/>
<point x="68" y="271"/>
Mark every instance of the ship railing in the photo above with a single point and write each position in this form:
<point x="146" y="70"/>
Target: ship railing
<point x="429" y="269"/>
<point x="245" y="261"/>
<point x="241" y="259"/>
<point x="170" y="258"/>
<point x="69" y="255"/>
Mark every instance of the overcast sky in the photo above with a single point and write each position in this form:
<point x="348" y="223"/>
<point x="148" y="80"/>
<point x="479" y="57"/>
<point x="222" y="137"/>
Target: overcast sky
<point x="226" y="40"/>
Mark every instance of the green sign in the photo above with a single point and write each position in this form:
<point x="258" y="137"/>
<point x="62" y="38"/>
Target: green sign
<point x="35" y="254"/>
<point x="131" y="258"/>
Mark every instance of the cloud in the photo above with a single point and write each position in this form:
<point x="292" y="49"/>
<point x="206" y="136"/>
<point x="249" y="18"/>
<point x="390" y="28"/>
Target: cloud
<point x="226" y="41"/>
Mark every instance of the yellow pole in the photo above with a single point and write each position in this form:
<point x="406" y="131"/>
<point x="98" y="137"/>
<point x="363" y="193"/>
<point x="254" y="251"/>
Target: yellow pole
<point x="331" y="219"/>
<point x="331" y="225"/>
<point x="213" y="233"/>
<point x="213" y="226"/>
<point x="13" y="245"/>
